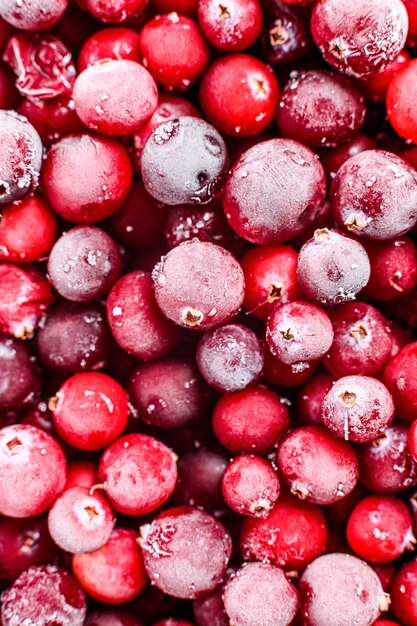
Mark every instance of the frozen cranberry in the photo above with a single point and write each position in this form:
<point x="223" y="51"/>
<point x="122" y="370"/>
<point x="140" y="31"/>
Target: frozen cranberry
<point x="264" y="199"/>
<point x="42" y="64"/>
<point x="33" y="14"/>
<point x="90" y="410"/>
<point x="23" y="544"/>
<point x="79" y="198"/>
<point x="285" y="37"/>
<point x="20" y="381"/>
<point x="113" y="618"/>
<point x="40" y="593"/>
<point x="196" y="173"/>
<point x="230" y="357"/>
<point x="74" y="337"/>
<point x="84" y="264"/>
<point x="270" y="277"/>
<point x="24" y="295"/>
<point x="186" y="552"/>
<point x="340" y="589"/>
<point x="333" y="158"/>
<point x="258" y="89"/>
<point x="209" y="609"/>
<point x="403" y="594"/>
<point x="230" y="25"/>
<point x="380" y="529"/>
<point x="32" y="470"/>
<point x="200" y="474"/>
<point x="385" y="464"/>
<point x="80" y="521"/>
<point x="357" y="408"/>
<point x="360" y="40"/>
<point x="81" y="474"/>
<point x="114" y="11"/>
<point x="100" y="88"/>
<point x="399" y="104"/>
<point x="259" y="594"/>
<point x="310" y="398"/>
<point x="393" y="268"/>
<point x="135" y="320"/>
<point x="9" y="96"/>
<point x="250" y="421"/>
<point x="298" y="332"/>
<point x="169" y="393"/>
<point x="169" y="107"/>
<point x="374" y="194"/>
<point x="375" y="88"/>
<point x="198" y="285"/>
<point x="109" y="43"/>
<point x="250" y="486"/>
<point x="319" y="108"/>
<point x="113" y="574"/>
<point x="140" y="221"/>
<point x="52" y="118"/>
<point x="28" y="230"/>
<point x="137" y="460"/>
<point x="172" y="65"/>
<point x="400" y="377"/>
<point x="20" y="158"/>
<point x="316" y="466"/>
<point x="293" y="535"/>
<point x="362" y="341"/>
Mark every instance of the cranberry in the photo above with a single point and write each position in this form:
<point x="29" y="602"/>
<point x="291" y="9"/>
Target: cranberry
<point x="411" y="7"/>
<point x="25" y="294"/>
<point x="33" y="14"/>
<point x="81" y="474"/>
<point x="281" y="538"/>
<point x="42" y="592"/>
<point x="258" y="89"/>
<point x="310" y="398"/>
<point x="230" y="357"/>
<point x="282" y="375"/>
<point x="114" y="11"/>
<point x="209" y="609"/>
<point x="403" y="594"/>
<point x="385" y="464"/>
<point x="135" y="320"/>
<point x="340" y="589"/>
<point x="319" y="108"/>
<point x="101" y="87"/>
<point x="113" y="618"/>
<point x="21" y="157"/>
<point x="263" y="200"/>
<point x="42" y="64"/>
<point x="400" y="377"/>
<point x="185" y="7"/>
<point x="285" y="37"/>
<point x="169" y="393"/>
<point x="137" y="459"/>
<point x="212" y="296"/>
<point x="399" y="105"/>
<point x="250" y="421"/>
<point x="333" y="158"/>
<point x="259" y="594"/>
<point x="362" y="341"/>
<point x="80" y="521"/>
<point x="230" y="25"/>
<point x="52" y="118"/>
<point x="393" y="268"/>
<point x="250" y="486"/>
<point x="298" y="332"/>
<point x="185" y="573"/>
<point x="20" y="381"/>
<point x="109" y="43"/>
<point x="198" y="170"/>
<point x="32" y="470"/>
<point x="380" y="528"/>
<point x="113" y="574"/>
<point x="79" y="198"/>
<point x="270" y="277"/>
<point x="365" y="195"/>
<point x="375" y="88"/>
<point x="360" y="40"/>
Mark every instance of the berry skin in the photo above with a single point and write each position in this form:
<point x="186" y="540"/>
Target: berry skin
<point x="380" y="529"/>
<point x="316" y="466"/>
<point x="20" y="383"/>
<point x="33" y="14"/>
<point x="137" y="460"/>
<point x="400" y="377"/>
<point x="310" y="398"/>
<point x="90" y="410"/>
<point x="393" y="268"/>
<point x="109" y="43"/>
<point x="114" y="11"/>
<point x="403" y="594"/>
<point x="32" y="471"/>
<point x="230" y="26"/>
<point x="401" y="113"/>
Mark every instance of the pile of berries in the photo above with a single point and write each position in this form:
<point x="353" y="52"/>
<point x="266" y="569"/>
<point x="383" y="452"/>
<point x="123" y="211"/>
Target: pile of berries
<point x="208" y="300"/>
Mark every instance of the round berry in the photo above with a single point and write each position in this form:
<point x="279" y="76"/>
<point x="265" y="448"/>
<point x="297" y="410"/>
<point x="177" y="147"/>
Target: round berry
<point x="33" y="14"/>
<point x="109" y="43"/>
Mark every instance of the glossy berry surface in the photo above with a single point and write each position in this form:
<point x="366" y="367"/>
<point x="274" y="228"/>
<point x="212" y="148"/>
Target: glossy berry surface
<point x="110" y="43"/>
<point x="403" y="593"/>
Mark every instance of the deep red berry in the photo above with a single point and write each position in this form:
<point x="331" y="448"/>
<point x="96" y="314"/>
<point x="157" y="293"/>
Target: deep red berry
<point x="399" y="103"/>
<point x="21" y="384"/>
<point x="113" y="617"/>
<point x="185" y="7"/>
<point x="52" y="118"/>
<point x="113" y="574"/>
<point x="285" y="37"/>
<point x="333" y="158"/>
<point x="109" y="43"/>
<point x="400" y="377"/>
<point x="172" y="65"/>
<point x="137" y="460"/>
<point x="310" y="398"/>
<point x="282" y="375"/>
<point x="258" y="89"/>
<point x="114" y="12"/>
<point x="375" y="88"/>
<point x="230" y="25"/>
<point x="393" y="268"/>
<point x="403" y="594"/>
<point x="209" y="609"/>
<point x="81" y="474"/>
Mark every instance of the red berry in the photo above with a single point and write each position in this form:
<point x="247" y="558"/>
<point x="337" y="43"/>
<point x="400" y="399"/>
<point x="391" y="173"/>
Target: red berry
<point x="109" y="43"/>
<point x="403" y="592"/>
<point x="230" y="25"/>
<point x="114" y="11"/>
<point x="33" y="14"/>
<point x="393" y="268"/>
<point x="400" y="377"/>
